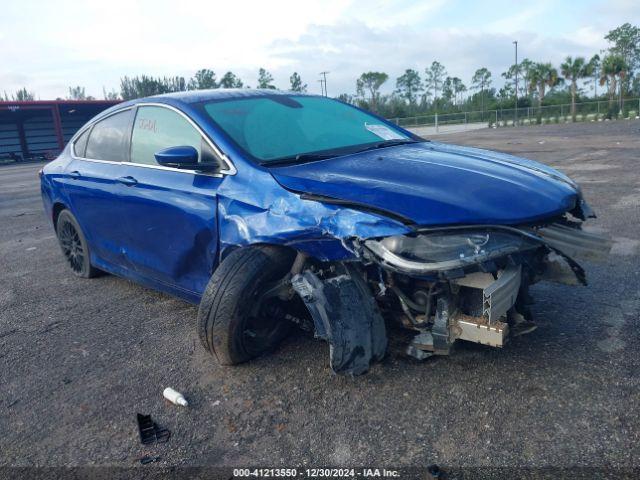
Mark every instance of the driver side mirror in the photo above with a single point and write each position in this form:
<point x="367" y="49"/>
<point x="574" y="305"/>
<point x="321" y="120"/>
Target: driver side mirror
<point x="185" y="157"/>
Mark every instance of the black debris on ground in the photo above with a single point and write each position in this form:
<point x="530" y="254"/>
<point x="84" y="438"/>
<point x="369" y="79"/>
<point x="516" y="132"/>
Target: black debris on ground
<point x="78" y="358"/>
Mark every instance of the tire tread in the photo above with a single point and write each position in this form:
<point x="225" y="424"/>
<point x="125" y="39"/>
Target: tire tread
<point x="222" y="300"/>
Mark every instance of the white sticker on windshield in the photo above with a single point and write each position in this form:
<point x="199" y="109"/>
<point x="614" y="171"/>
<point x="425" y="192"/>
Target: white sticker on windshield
<point x="383" y="131"/>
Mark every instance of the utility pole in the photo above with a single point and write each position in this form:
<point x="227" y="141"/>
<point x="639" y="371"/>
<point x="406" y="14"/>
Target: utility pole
<point x="515" y="122"/>
<point x="322" y="87"/>
<point x="324" y="75"/>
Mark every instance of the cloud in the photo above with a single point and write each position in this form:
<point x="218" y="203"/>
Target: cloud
<point x="350" y="48"/>
<point x="521" y="20"/>
<point x="50" y="45"/>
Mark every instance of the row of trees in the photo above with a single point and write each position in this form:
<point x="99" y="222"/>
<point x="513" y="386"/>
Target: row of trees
<point x="434" y="90"/>
<point x="142" y="86"/>
<point x="22" y="95"/>
<point x="145" y="85"/>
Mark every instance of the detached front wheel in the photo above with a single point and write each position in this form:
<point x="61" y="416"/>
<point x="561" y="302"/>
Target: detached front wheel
<point x="240" y="315"/>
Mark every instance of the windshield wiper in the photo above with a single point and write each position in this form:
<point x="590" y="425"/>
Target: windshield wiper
<point x="310" y="157"/>
<point x="390" y="143"/>
<point x="301" y="157"/>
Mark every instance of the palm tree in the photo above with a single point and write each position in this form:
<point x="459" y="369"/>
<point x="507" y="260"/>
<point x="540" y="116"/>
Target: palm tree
<point x="541" y="76"/>
<point x="573" y="70"/>
<point x="613" y="71"/>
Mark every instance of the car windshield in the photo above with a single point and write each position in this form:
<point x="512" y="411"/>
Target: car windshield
<point x="280" y="128"/>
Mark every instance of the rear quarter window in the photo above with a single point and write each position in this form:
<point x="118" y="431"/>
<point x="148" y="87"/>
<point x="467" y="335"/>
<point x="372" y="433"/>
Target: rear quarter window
<point x="80" y="145"/>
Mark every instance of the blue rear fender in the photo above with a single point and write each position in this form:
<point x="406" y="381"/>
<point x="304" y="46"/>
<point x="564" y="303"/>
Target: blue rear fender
<point x="51" y="186"/>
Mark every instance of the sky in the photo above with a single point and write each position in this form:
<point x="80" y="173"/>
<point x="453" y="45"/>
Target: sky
<point x="49" y="45"/>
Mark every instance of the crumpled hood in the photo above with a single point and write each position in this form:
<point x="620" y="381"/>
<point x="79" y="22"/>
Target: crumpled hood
<point x="436" y="184"/>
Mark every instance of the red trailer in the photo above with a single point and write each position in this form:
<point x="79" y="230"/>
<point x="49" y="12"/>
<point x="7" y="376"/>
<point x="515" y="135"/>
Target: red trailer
<point x="41" y="129"/>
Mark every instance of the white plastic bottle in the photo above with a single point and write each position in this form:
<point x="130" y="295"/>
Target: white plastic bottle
<point x="175" y="397"/>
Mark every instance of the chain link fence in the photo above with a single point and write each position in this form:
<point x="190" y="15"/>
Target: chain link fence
<point x="584" y="112"/>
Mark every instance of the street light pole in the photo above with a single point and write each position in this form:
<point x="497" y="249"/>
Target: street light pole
<point x="324" y="74"/>
<point x="516" y="112"/>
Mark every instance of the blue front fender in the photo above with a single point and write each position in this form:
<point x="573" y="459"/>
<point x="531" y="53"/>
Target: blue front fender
<point x="254" y="208"/>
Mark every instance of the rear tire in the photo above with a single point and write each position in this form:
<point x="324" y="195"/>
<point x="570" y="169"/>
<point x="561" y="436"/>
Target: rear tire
<point x="74" y="245"/>
<point x="232" y="325"/>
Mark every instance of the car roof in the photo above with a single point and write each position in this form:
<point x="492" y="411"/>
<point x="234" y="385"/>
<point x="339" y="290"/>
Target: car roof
<point x="175" y="99"/>
<point x="193" y="96"/>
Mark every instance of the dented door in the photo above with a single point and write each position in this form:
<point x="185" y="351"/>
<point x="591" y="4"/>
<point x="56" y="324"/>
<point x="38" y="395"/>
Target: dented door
<point x="170" y="219"/>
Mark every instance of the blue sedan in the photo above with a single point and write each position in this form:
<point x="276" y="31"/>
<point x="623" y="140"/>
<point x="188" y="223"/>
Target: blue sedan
<point x="273" y="209"/>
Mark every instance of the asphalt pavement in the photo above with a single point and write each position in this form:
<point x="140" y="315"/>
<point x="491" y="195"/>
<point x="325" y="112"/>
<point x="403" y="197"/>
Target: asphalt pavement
<point x="80" y="358"/>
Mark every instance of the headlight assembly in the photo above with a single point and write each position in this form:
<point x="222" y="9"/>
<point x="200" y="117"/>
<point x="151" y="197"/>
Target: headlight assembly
<point x="435" y="252"/>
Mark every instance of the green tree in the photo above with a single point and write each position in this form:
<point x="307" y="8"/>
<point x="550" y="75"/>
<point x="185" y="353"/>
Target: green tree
<point x="371" y="82"/>
<point x="524" y="69"/>
<point x="447" y="90"/>
<point x="173" y="84"/>
<point x="543" y="76"/>
<point x="265" y="79"/>
<point x="635" y="87"/>
<point x="110" y="95"/>
<point x="347" y="98"/>
<point x="594" y="68"/>
<point x="144" y="86"/>
<point x="77" y="93"/>
<point x="296" y="83"/>
<point x="394" y="106"/>
<point x="613" y="72"/>
<point x="409" y="85"/>
<point x="230" y="80"/>
<point x="203" y="79"/>
<point x="526" y="66"/>
<point x="626" y="43"/>
<point x="22" y="95"/>
<point x="458" y="90"/>
<point x="573" y="70"/>
<point x="481" y="80"/>
<point x="452" y="90"/>
<point x="506" y="93"/>
<point x="434" y="78"/>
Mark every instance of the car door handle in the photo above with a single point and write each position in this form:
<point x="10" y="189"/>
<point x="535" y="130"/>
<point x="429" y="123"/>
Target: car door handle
<point x="75" y="174"/>
<point x="129" y="181"/>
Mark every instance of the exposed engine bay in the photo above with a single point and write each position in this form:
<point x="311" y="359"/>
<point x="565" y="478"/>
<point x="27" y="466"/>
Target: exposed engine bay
<point x="444" y="284"/>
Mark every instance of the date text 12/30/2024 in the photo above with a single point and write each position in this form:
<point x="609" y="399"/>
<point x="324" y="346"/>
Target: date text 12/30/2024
<point x="315" y="473"/>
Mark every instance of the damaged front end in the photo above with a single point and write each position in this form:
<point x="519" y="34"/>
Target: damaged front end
<point x="445" y="284"/>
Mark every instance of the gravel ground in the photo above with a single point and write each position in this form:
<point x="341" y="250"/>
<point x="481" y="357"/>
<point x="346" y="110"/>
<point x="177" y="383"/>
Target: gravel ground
<point x="79" y="358"/>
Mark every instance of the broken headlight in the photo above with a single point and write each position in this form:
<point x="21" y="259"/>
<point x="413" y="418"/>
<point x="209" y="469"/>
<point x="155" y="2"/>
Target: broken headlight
<point x="444" y="251"/>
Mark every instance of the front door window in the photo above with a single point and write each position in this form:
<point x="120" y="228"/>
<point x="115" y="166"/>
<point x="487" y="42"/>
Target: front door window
<point x="157" y="128"/>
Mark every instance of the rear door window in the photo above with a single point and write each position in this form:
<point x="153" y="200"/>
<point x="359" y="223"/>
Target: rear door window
<point x="109" y="138"/>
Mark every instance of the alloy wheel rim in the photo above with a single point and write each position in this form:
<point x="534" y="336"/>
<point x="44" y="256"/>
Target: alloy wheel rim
<point x="262" y="326"/>
<point x="72" y="246"/>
